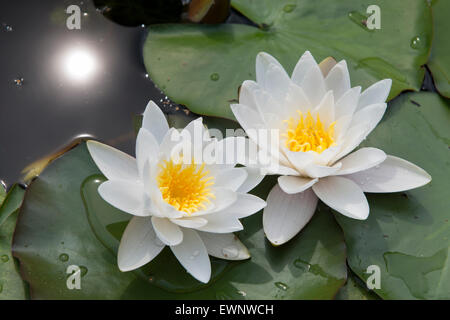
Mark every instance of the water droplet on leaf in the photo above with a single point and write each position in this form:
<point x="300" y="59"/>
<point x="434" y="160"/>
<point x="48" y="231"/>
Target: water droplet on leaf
<point x="230" y="252"/>
<point x="282" y="286"/>
<point x="214" y="76"/>
<point x="416" y="43"/>
<point x="63" y="257"/>
<point x="289" y="8"/>
<point x="5" y="258"/>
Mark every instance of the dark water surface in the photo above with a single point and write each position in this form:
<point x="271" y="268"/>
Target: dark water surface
<point x="75" y="82"/>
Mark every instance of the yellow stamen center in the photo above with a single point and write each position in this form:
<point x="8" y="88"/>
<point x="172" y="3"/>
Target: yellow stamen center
<point x="185" y="186"/>
<point x="307" y="134"/>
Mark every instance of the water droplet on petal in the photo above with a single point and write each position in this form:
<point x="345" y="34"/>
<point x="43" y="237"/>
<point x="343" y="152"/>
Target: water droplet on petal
<point x="230" y="252"/>
<point x="63" y="257"/>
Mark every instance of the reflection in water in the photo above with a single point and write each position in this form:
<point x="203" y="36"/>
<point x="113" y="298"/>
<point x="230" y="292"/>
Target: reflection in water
<point x="79" y="64"/>
<point x="56" y="83"/>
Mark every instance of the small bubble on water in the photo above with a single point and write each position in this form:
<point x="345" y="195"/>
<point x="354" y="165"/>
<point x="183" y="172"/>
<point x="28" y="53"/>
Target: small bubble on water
<point x="19" y="82"/>
<point x="63" y="257"/>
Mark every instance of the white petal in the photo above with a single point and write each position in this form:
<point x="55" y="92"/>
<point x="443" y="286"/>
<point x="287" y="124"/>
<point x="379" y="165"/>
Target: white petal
<point x="354" y="136"/>
<point x="360" y="160"/>
<point x="338" y="79"/>
<point x="254" y="177"/>
<point x="138" y="245"/>
<point x="114" y="164"/>
<point x="146" y="148"/>
<point x="245" y="205"/>
<point x="193" y="256"/>
<point x="293" y="185"/>
<point x="231" y="178"/>
<point x="314" y="85"/>
<point x="317" y="171"/>
<point x="376" y="93"/>
<point x="221" y="223"/>
<point x="304" y="64"/>
<point x="344" y="196"/>
<point x="326" y="65"/>
<point x="276" y="82"/>
<point x="168" y="232"/>
<point x="249" y="119"/>
<point x="263" y="62"/>
<point x="155" y="121"/>
<point x="223" y="199"/>
<point x="287" y="214"/>
<point x="371" y="115"/>
<point x="126" y="196"/>
<point x="224" y="246"/>
<point x="247" y="93"/>
<point x="190" y="222"/>
<point x="347" y="103"/>
<point x="325" y="109"/>
<point x="392" y="175"/>
<point x="295" y="100"/>
<point x="299" y="160"/>
<point x="171" y="143"/>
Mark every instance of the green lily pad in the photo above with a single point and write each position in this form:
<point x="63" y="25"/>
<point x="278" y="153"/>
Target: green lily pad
<point x="2" y="193"/>
<point x="355" y="289"/>
<point x="63" y="222"/>
<point x="202" y="66"/>
<point x="408" y="234"/>
<point x="11" y="203"/>
<point x="439" y="62"/>
<point x="11" y="285"/>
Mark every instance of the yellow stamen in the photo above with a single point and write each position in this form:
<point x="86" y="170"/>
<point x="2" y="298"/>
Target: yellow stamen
<point x="308" y="135"/>
<point x="185" y="186"/>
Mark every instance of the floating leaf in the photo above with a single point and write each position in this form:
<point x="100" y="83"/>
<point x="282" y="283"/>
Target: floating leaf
<point x="202" y="66"/>
<point x="408" y="234"/>
<point x="355" y="289"/>
<point x="11" y="285"/>
<point x="439" y="62"/>
<point x="63" y="221"/>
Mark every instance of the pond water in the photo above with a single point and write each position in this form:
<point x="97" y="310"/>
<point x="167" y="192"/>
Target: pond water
<point x="57" y="84"/>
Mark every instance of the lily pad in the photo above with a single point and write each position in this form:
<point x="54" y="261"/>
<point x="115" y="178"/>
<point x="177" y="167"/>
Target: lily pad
<point x="439" y="62"/>
<point x="408" y="234"/>
<point x="63" y="222"/>
<point x="355" y="289"/>
<point x="11" y="285"/>
<point x="202" y="66"/>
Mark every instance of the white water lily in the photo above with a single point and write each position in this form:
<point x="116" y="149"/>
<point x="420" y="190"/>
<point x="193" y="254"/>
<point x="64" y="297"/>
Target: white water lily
<point x="191" y="207"/>
<point x="319" y="119"/>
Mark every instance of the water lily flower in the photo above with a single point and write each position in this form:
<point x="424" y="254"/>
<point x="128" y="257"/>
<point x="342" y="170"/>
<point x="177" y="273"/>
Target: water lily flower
<point x="191" y="206"/>
<point x="319" y="119"/>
